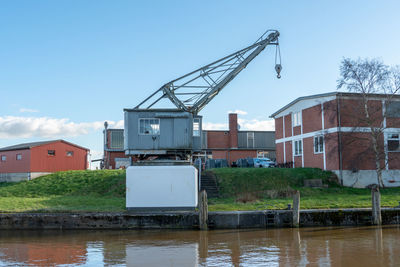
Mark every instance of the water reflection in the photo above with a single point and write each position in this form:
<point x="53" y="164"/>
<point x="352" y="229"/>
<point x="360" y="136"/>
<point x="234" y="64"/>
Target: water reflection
<point x="363" y="246"/>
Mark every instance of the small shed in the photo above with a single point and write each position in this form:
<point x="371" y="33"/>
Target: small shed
<point x="161" y="132"/>
<point x="31" y="160"/>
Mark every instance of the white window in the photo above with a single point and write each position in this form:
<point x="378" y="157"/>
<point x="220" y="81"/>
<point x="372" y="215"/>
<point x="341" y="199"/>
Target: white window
<point x="298" y="148"/>
<point x="149" y="126"/>
<point x="318" y="144"/>
<point x="3" y="158"/>
<point x="196" y="127"/>
<point x="393" y="143"/>
<point x="250" y="139"/>
<point x="69" y="153"/>
<point x="296" y="117"/>
<point x="19" y="157"/>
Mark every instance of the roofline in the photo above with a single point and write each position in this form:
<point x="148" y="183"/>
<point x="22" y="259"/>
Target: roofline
<point x="48" y="142"/>
<point x="323" y="95"/>
<point x="240" y="131"/>
<point x="156" y="110"/>
<point x="300" y="99"/>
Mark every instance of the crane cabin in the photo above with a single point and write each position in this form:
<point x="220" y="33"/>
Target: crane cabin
<point x="161" y="132"/>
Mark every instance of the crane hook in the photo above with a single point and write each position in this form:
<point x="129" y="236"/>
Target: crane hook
<point x="278" y="68"/>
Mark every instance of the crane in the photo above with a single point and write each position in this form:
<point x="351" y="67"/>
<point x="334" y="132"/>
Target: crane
<point x="193" y="91"/>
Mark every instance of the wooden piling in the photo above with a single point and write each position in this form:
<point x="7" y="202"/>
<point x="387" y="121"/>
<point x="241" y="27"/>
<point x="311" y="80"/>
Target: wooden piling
<point x="203" y="210"/>
<point x="296" y="210"/>
<point x="376" y="206"/>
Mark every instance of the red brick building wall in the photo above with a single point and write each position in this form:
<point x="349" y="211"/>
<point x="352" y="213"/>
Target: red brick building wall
<point x="217" y="139"/>
<point x="312" y="119"/>
<point x="279" y="128"/>
<point x="335" y="119"/>
<point x="288" y="125"/>
<point x="312" y="159"/>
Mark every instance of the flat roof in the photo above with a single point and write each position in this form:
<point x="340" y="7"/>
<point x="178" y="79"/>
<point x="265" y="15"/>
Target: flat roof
<point x="325" y="95"/>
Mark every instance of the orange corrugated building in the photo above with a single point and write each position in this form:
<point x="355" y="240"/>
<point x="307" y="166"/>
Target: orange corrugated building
<point x="31" y="160"/>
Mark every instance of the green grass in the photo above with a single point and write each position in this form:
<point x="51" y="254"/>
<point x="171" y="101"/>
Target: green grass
<point x="102" y="190"/>
<point x="240" y="189"/>
<point x="259" y="189"/>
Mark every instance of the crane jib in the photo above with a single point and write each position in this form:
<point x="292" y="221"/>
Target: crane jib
<point x="193" y="91"/>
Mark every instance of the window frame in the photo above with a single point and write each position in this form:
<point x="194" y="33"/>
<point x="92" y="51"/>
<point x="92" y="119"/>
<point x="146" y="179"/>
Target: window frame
<point x="3" y="158"/>
<point x="196" y="121"/>
<point x="20" y="156"/>
<point x="320" y="151"/>
<point x="69" y="152"/>
<point x="298" y="147"/>
<point x="296" y="118"/>
<point x="149" y="119"/>
<point x="51" y="155"/>
<point x="388" y="138"/>
<point x="251" y="134"/>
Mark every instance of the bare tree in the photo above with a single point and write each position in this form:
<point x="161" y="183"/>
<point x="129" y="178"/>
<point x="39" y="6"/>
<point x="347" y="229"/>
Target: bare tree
<point x="366" y="78"/>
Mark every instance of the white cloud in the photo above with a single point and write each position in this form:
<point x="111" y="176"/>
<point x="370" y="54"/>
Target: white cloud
<point x="257" y="125"/>
<point x="252" y="125"/>
<point x="214" y="126"/>
<point x="26" y="127"/>
<point x="28" y="110"/>
<point x="238" y="111"/>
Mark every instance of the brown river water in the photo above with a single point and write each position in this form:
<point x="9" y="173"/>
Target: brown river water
<point x="338" y="246"/>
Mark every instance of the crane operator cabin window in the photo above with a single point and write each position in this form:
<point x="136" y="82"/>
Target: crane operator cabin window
<point x="149" y="126"/>
<point x="196" y="127"/>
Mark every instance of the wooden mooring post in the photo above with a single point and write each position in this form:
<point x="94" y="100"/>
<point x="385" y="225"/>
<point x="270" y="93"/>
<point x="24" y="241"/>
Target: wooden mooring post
<point x="376" y="206"/>
<point x="203" y="210"/>
<point x="296" y="210"/>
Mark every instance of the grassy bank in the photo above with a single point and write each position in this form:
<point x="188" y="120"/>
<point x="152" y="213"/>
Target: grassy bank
<point x="240" y="189"/>
<point x="102" y="190"/>
<point x="259" y="189"/>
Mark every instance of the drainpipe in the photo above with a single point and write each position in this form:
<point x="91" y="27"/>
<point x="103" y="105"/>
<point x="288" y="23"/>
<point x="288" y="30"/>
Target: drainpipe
<point x="340" y="141"/>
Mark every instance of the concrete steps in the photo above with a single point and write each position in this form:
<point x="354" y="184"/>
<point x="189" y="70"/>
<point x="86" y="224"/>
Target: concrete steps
<point x="208" y="182"/>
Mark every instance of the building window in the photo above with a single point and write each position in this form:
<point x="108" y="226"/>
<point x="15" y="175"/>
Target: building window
<point x="70" y="153"/>
<point x="298" y="148"/>
<point x="149" y="126"/>
<point x="19" y="157"/>
<point x="3" y="158"/>
<point x="117" y="139"/>
<point x="51" y="152"/>
<point x="250" y="139"/>
<point x="264" y="154"/>
<point x="393" y="143"/>
<point x="196" y="127"/>
<point x="318" y="144"/>
<point x="296" y="117"/>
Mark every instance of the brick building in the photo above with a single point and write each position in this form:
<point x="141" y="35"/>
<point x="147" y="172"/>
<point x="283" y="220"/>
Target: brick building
<point x="114" y="153"/>
<point x="328" y="131"/>
<point x="233" y="144"/>
<point x="31" y="160"/>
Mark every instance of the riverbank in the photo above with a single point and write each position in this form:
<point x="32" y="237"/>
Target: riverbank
<point x="247" y="189"/>
<point x="190" y="220"/>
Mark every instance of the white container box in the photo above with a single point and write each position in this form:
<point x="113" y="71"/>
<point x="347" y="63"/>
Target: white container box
<point x="161" y="188"/>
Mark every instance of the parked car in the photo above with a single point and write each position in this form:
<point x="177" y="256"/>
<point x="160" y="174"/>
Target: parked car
<point x="263" y="163"/>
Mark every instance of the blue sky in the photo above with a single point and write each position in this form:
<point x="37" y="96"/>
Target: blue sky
<point x="67" y="66"/>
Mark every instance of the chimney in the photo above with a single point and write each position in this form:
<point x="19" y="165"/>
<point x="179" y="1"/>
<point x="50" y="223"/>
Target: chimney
<point x="233" y="130"/>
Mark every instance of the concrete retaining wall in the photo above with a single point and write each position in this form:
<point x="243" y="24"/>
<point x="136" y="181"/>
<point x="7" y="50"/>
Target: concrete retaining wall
<point x="364" y="178"/>
<point x="190" y="220"/>
<point x="14" y="177"/>
<point x="20" y="176"/>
